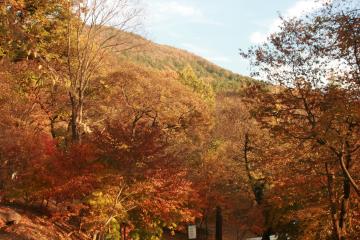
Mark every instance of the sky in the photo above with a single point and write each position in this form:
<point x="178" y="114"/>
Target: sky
<point x="217" y="29"/>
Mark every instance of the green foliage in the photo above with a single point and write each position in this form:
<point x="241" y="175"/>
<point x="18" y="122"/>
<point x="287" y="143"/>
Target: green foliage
<point x="114" y="230"/>
<point x="199" y="86"/>
<point x="153" y="232"/>
<point x="163" y="57"/>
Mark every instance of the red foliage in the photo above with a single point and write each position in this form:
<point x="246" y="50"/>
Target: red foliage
<point x="143" y="150"/>
<point x="72" y="173"/>
<point x="170" y="197"/>
<point x="35" y="168"/>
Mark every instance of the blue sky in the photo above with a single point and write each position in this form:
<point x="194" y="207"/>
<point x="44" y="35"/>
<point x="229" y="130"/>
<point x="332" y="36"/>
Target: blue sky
<point x="216" y="29"/>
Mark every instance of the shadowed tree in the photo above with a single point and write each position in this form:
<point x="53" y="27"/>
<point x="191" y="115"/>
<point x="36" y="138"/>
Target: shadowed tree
<point x="314" y="62"/>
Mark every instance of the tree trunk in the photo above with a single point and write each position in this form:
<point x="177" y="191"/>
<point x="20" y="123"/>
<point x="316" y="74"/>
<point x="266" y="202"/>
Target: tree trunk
<point x="219" y="221"/>
<point x="204" y="223"/>
<point x="247" y="164"/>
<point x="266" y="235"/>
<point x="343" y="221"/>
<point x="79" y="121"/>
<point x="73" y="119"/>
<point x="76" y="120"/>
<point x="344" y="217"/>
<point x="52" y="126"/>
<point x="333" y="206"/>
<point x="257" y="187"/>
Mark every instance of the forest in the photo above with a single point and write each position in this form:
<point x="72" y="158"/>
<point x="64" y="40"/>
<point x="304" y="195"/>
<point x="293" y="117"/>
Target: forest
<point x="105" y="135"/>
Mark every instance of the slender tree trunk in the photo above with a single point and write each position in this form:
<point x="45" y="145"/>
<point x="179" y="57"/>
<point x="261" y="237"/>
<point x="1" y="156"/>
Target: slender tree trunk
<point x="74" y="118"/>
<point x="124" y="233"/>
<point x="257" y="188"/>
<point x="219" y="222"/>
<point x="206" y="227"/>
<point x="344" y="217"/>
<point x="72" y="93"/>
<point x="343" y="221"/>
<point x="247" y="164"/>
<point x="52" y="126"/>
<point x="332" y="202"/>
<point x="206" y="232"/>
<point x="80" y="113"/>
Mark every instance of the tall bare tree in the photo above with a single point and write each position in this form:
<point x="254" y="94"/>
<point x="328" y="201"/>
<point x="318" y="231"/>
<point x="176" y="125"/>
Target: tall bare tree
<point x="96" y="29"/>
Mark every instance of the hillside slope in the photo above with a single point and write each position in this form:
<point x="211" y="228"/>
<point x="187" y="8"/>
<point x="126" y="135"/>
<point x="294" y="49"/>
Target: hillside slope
<point x="163" y="57"/>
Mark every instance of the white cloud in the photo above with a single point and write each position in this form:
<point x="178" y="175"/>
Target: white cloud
<point x="161" y="11"/>
<point x="164" y="11"/>
<point x="301" y="8"/>
<point x="174" y="7"/>
<point x="258" y="37"/>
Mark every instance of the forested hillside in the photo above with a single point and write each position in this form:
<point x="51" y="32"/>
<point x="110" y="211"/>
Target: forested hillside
<point x="106" y="135"/>
<point x="164" y="57"/>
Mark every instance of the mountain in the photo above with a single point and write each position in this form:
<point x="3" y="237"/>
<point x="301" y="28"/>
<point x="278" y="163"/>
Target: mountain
<point x="163" y="57"/>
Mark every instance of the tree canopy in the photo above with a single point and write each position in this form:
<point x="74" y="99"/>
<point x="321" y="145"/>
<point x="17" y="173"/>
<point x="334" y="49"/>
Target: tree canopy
<point x="107" y="135"/>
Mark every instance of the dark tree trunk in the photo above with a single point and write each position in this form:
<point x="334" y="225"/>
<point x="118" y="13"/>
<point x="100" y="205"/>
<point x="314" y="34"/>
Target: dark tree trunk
<point x="52" y="126"/>
<point x="266" y="235"/>
<point x="257" y="186"/>
<point x="219" y="221"/>
<point x="344" y="216"/>
<point x="73" y="120"/>
<point x="332" y="203"/>
<point x="206" y="227"/>
<point x="343" y="221"/>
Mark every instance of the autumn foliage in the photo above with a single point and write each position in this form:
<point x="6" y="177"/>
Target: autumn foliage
<point x="117" y="144"/>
